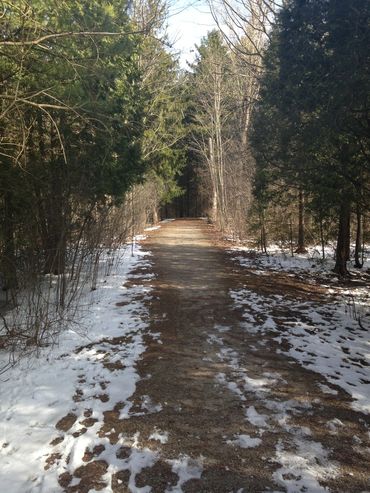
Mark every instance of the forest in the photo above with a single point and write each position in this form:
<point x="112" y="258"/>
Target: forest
<point x="266" y="134"/>
<point x="104" y="136"/>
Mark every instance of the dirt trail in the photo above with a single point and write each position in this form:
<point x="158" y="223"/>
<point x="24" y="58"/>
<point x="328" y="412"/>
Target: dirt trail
<point x="191" y="293"/>
<point x="207" y="381"/>
<point x="196" y="372"/>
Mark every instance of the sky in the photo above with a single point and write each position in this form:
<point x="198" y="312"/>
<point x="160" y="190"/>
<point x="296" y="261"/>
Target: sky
<point x="188" y="22"/>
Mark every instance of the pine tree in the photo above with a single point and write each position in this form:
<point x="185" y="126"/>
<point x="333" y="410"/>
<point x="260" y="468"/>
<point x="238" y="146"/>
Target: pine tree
<point x="310" y="129"/>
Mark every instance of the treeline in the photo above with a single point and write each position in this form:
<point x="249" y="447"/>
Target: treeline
<point x="282" y="111"/>
<point x="221" y="90"/>
<point x="272" y="122"/>
<point x="311" y="128"/>
<point x="91" y="125"/>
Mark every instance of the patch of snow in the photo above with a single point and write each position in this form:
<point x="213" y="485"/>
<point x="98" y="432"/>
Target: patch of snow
<point x="269" y="324"/>
<point x="279" y="258"/>
<point x="222" y="328"/>
<point x="152" y="228"/>
<point x="160" y="436"/>
<point x="327" y="390"/>
<point x="255" y="418"/>
<point x="138" y="460"/>
<point x="232" y="386"/>
<point x="186" y="468"/>
<point x="213" y="339"/>
<point x="306" y="461"/>
<point x="303" y="467"/>
<point x="245" y="441"/>
<point x="333" y="425"/>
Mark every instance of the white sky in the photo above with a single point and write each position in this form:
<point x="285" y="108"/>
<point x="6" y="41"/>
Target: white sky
<point x="188" y="22"/>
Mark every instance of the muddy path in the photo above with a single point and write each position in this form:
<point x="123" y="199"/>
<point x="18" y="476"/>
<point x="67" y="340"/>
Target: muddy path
<point x="210" y="382"/>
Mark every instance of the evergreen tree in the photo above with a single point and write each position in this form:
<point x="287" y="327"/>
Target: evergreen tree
<point x="310" y="128"/>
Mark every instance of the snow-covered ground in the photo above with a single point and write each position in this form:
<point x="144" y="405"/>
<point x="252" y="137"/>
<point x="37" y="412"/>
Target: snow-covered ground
<point x="324" y="338"/>
<point x="334" y="339"/>
<point x="52" y="408"/>
<point x="60" y="383"/>
<point x="330" y="338"/>
<point x="280" y="259"/>
<point x="303" y="461"/>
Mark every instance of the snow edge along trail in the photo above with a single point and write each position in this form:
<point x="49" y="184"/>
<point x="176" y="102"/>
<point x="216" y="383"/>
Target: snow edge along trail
<point x="73" y="382"/>
<point x="324" y="337"/>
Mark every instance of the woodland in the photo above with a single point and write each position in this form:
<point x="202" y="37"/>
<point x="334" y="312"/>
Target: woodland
<point x="267" y="134"/>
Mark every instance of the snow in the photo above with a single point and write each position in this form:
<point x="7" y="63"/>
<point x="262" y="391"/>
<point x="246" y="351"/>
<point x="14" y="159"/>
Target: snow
<point x="160" y="436"/>
<point x="279" y="258"/>
<point x="152" y="228"/>
<point x="333" y="425"/>
<point x="70" y="378"/>
<point x="327" y="390"/>
<point x="305" y="461"/>
<point x="324" y="338"/>
<point x="255" y="418"/>
<point x="89" y="370"/>
<point x="329" y="338"/>
<point x="303" y="467"/>
<point x="136" y="462"/>
<point x="92" y="369"/>
<point x="186" y="468"/>
<point x="245" y="441"/>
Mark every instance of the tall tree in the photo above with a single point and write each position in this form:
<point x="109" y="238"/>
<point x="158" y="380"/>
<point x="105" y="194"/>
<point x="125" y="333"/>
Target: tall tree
<point x="311" y="128"/>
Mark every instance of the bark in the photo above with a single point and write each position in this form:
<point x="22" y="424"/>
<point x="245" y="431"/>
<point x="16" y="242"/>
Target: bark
<point x="56" y="214"/>
<point x="358" y="250"/>
<point x="322" y="240"/>
<point x="301" y="247"/>
<point x="291" y="238"/>
<point x="263" y="233"/>
<point x="9" y="257"/>
<point x="343" y="240"/>
<point x="155" y="216"/>
<point x="214" y="198"/>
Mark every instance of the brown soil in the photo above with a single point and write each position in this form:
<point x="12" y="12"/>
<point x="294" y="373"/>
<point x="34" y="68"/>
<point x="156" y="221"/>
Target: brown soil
<point x="66" y="422"/>
<point x="190" y="298"/>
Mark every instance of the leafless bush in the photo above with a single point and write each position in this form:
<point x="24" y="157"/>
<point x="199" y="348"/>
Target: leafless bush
<point x="35" y="311"/>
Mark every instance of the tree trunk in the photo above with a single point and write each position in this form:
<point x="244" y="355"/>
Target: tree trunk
<point x="56" y="211"/>
<point x="301" y="248"/>
<point x="343" y="240"/>
<point x="358" y="250"/>
<point x="291" y="238"/>
<point x="322" y="240"/>
<point x="214" y="198"/>
<point x="263" y="233"/>
<point x="9" y="260"/>
<point x="155" y="216"/>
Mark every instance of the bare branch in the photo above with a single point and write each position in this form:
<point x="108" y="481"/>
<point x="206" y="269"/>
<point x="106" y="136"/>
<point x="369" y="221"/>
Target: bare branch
<point x="41" y="39"/>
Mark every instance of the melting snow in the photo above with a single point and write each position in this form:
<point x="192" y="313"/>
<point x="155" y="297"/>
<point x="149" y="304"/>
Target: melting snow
<point x="81" y="372"/>
<point x="245" y="441"/>
<point x="160" y="436"/>
<point x="186" y="468"/>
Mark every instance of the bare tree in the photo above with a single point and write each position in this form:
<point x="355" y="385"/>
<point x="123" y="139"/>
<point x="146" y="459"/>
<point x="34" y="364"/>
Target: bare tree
<point x="245" y="25"/>
<point x="218" y="138"/>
